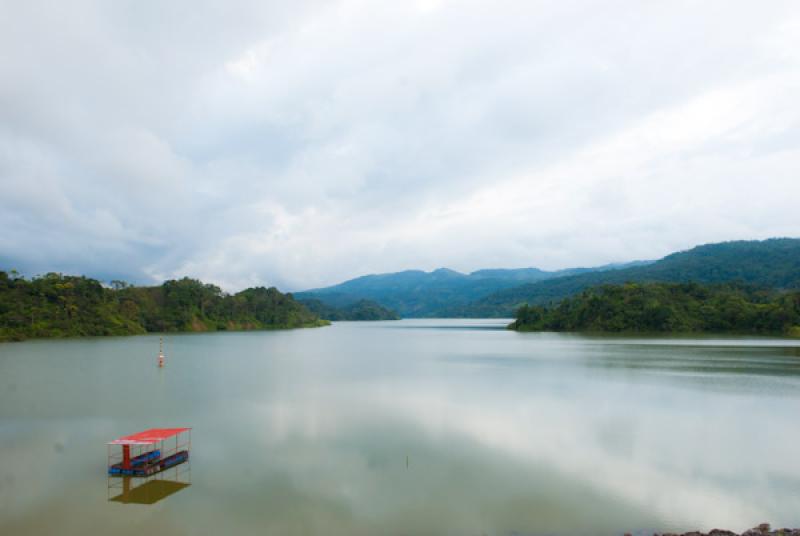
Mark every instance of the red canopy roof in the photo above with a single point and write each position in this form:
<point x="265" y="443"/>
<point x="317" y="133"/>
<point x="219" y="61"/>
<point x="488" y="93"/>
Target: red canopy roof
<point x="148" y="437"/>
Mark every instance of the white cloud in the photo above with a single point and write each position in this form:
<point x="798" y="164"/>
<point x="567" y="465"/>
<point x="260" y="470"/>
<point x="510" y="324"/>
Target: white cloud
<point x="300" y="145"/>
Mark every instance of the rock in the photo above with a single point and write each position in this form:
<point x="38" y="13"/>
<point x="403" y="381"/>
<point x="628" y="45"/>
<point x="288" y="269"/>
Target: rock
<point x="763" y="529"/>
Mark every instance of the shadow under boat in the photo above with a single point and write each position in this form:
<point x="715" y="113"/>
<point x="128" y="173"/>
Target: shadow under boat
<point x="149" y="492"/>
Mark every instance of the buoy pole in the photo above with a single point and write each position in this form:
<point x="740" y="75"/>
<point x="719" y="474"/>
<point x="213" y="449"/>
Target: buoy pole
<point x="161" y="352"/>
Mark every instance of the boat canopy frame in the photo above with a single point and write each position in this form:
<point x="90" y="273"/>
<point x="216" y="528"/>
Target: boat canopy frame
<point x="149" y="437"/>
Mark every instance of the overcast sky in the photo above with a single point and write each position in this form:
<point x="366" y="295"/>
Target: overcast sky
<point x="300" y="144"/>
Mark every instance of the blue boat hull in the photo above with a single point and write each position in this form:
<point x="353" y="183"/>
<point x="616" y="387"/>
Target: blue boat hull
<point x="149" y="464"/>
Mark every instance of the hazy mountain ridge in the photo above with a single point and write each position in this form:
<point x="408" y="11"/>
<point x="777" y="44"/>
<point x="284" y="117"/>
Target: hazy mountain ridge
<point x="772" y="263"/>
<point x="416" y="293"/>
<point x="498" y="292"/>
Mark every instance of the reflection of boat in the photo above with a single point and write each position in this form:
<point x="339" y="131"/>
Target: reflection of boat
<point x="149" y="454"/>
<point x="150" y="467"/>
<point x="149" y="492"/>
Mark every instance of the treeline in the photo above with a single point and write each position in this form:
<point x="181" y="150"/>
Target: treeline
<point x="668" y="307"/>
<point x="359" y="310"/>
<point x="56" y="305"/>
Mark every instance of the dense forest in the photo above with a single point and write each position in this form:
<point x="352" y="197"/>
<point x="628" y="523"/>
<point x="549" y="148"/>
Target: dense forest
<point x="668" y="307"/>
<point x="359" y="310"/>
<point x="773" y="263"/>
<point x="56" y="305"/>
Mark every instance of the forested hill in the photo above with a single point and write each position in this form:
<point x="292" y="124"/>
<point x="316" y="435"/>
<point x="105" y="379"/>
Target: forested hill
<point x="359" y="310"/>
<point x="773" y="263"/>
<point x="58" y="305"/>
<point x="415" y="293"/>
<point x="668" y="307"/>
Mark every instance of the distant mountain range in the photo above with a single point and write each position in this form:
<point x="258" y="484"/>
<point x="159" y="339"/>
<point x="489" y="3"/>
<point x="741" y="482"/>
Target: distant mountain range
<point x="773" y="263"/>
<point x="415" y="293"/>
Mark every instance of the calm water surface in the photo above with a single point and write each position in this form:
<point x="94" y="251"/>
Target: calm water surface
<point x="411" y="427"/>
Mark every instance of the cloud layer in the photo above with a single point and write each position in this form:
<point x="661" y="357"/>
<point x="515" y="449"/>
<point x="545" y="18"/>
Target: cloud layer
<point x="299" y="144"/>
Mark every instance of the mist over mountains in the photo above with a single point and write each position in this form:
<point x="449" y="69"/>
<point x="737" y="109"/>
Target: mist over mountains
<point x="773" y="263"/>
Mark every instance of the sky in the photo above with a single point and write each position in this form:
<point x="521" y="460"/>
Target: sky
<point x="299" y="144"/>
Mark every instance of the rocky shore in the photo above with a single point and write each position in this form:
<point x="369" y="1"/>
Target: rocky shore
<point x="762" y="530"/>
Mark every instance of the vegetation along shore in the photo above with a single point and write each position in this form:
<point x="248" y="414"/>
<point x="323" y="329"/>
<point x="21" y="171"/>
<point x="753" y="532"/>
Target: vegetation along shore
<point x="668" y="308"/>
<point x="358" y="310"/>
<point x="56" y="305"/>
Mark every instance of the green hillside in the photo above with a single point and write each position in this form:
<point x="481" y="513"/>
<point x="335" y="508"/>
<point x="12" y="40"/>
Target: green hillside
<point x="773" y="263"/>
<point x="668" y="307"/>
<point x="359" y="310"/>
<point x="57" y="305"/>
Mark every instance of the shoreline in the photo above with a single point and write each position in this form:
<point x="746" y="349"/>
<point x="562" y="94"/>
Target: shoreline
<point x="321" y="323"/>
<point x="764" y="529"/>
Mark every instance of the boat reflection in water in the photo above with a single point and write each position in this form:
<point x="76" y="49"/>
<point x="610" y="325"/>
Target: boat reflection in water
<point x="149" y="490"/>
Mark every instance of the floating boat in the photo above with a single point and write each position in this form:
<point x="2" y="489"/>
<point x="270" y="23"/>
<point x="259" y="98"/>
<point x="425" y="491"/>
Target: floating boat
<point x="145" y="453"/>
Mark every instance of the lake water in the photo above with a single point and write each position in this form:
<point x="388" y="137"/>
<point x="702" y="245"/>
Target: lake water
<point x="412" y="427"/>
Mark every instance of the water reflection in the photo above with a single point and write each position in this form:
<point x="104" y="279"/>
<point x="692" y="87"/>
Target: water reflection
<point x="771" y="362"/>
<point x="307" y="432"/>
<point x="133" y="490"/>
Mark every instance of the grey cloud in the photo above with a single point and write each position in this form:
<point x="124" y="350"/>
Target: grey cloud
<point x="302" y="143"/>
